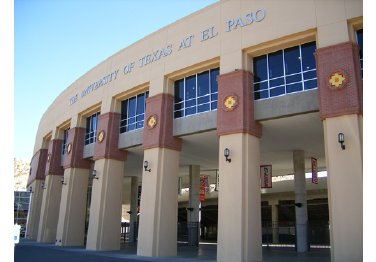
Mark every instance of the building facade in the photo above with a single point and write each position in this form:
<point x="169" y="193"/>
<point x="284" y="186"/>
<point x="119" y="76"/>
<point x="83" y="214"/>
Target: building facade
<point x="236" y="90"/>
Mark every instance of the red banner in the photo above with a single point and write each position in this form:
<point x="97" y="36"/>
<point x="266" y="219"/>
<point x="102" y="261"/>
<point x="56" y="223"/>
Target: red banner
<point x="266" y="176"/>
<point x="315" y="178"/>
<point x="204" y="184"/>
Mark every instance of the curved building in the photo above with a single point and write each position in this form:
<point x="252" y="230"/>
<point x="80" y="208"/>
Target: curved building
<point x="223" y="102"/>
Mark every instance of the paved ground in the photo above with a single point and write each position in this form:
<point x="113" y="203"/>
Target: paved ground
<point x="29" y="251"/>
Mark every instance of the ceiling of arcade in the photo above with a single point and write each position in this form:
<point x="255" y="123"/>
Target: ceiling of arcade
<point x="280" y="138"/>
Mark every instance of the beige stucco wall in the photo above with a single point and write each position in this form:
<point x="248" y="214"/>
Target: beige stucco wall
<point x="329" y="18"/>
<point x="345" y="187"/>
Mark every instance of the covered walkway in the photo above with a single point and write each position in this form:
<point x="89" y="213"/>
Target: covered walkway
<point x="29" y="251"/>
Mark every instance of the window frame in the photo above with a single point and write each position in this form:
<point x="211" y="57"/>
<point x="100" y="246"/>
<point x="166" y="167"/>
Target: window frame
<point x="65" y="141"/>
<point x="262" y="93"/>
<point x="124" y="122"/>
<point x="91" y="136"/>
<point x="212" y="97"/>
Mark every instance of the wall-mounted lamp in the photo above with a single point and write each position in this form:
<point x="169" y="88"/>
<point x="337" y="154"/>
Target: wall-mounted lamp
<point x="129" y="212"/>
<point x="227" y="154"/>
<point x="31" y="189"/>
<point x="43" y="186"/>
<point x="146" y="165"/>
<point x="298" y="204"/>
<point x="190" y="208"/>
<point x="341" y="140"/>
<point x="62" y="180"/>
<point x="94" y="174"/>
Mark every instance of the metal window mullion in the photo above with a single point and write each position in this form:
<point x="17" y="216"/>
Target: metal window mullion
<point x="135" y="112"/>
<point x="301" y="66"/>
<point x="210" y="91"/>
<point x="284" y="69"/>
<point x="127" y="116"/>
<point x="184" y="90"/>
<point x="196" y="93"/>
<point x="267" y="74"/>
<point x="143" y="120"/>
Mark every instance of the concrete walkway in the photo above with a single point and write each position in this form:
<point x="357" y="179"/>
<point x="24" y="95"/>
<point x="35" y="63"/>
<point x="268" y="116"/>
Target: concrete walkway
<point x="29" y="251"/>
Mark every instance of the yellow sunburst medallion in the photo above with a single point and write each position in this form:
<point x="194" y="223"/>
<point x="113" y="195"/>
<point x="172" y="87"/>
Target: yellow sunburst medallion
<point x="101" y="135"/>
<point x="230" y="102"/>
<point x="69" y="148"/>
<point x="337" y="80"/>
<point x="151" y="121"/>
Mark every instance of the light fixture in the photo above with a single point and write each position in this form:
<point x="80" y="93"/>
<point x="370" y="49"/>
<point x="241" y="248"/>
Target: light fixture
<point x="298" y="204"/>
<point x="146" y="164"/>
<point x="43" y="185"/>
<point x="62" y="180"/>
<point x="31" y="189"/>
<point x="190" y="208"/>
<point x="341" y="140"/>
<point x="227" y="154"/>
<point x="94" y="174"/>
<point x="129" y="212"/>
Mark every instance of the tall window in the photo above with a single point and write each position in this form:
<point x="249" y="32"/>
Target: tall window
<point x="91" y="128"/>
<point x="285" y="71"/>
<point x="65" y="139"/>
<point x="359" y="39"/>
<point x="133" y="112"/>
<point x="196" y="94"/>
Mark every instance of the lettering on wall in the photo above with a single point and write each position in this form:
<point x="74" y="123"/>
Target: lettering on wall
<point x="248" y="19"/>
<point x="186" y="41"/>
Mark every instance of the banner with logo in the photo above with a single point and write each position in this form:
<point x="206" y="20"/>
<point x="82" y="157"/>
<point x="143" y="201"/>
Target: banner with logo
<point x="204" y="187"/>
<point x="315" y="178"/>
<point x="266" y="176"/>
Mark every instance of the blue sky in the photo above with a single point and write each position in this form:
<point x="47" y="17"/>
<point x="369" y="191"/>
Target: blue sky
<point x="57" y="41"/>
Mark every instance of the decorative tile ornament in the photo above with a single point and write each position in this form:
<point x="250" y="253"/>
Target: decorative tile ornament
<point x="69" y="148"/>
<point x="49" y="158"/>
<point x="101" y="135"/>
<point x="230" y="102"/>
<point x="337" y="80"/>
<point x="151" y="122"/>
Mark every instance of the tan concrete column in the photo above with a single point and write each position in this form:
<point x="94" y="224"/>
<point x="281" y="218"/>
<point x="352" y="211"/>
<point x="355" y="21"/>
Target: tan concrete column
<point x="126" y="198"/>
<point x="341" y="109"/>
<point x="239" y="198"/>
<point x="72" y="212"/>
<point x="50" y="210"/>
<point x="105" y="208"/>
<point x="159" y="199"/>
<point x="301" y="215"/>
<point x="52" y="194"/>
<point x="345" y="187"/>
<point x="133" y="214"/>
<point x="159" y="204"/>
<point x="36" y="178"/>
<point x="275" y="221"/>
<point x="34" y="212"/>
<point x="194" y="205"/>
<point x="106" y="196"/>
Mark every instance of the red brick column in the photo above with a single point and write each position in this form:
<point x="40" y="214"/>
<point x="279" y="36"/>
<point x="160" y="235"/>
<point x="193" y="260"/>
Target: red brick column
<point x="158" y="132"/>
<point x="53" y="164"/>
<point x="38" y="166"/>
<point x="347" y="98"/>
<point x="239" y="207"/>
<point x="73" y="158"/>
<point x="106" y="145"/>
<point x="341" y="108"/>
<point x="238" y="118"/>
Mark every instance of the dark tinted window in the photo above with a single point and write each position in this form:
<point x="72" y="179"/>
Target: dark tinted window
<point x="133" y="112"/>
<point x="285" y="71"/>
<point x="196" y="93"/>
